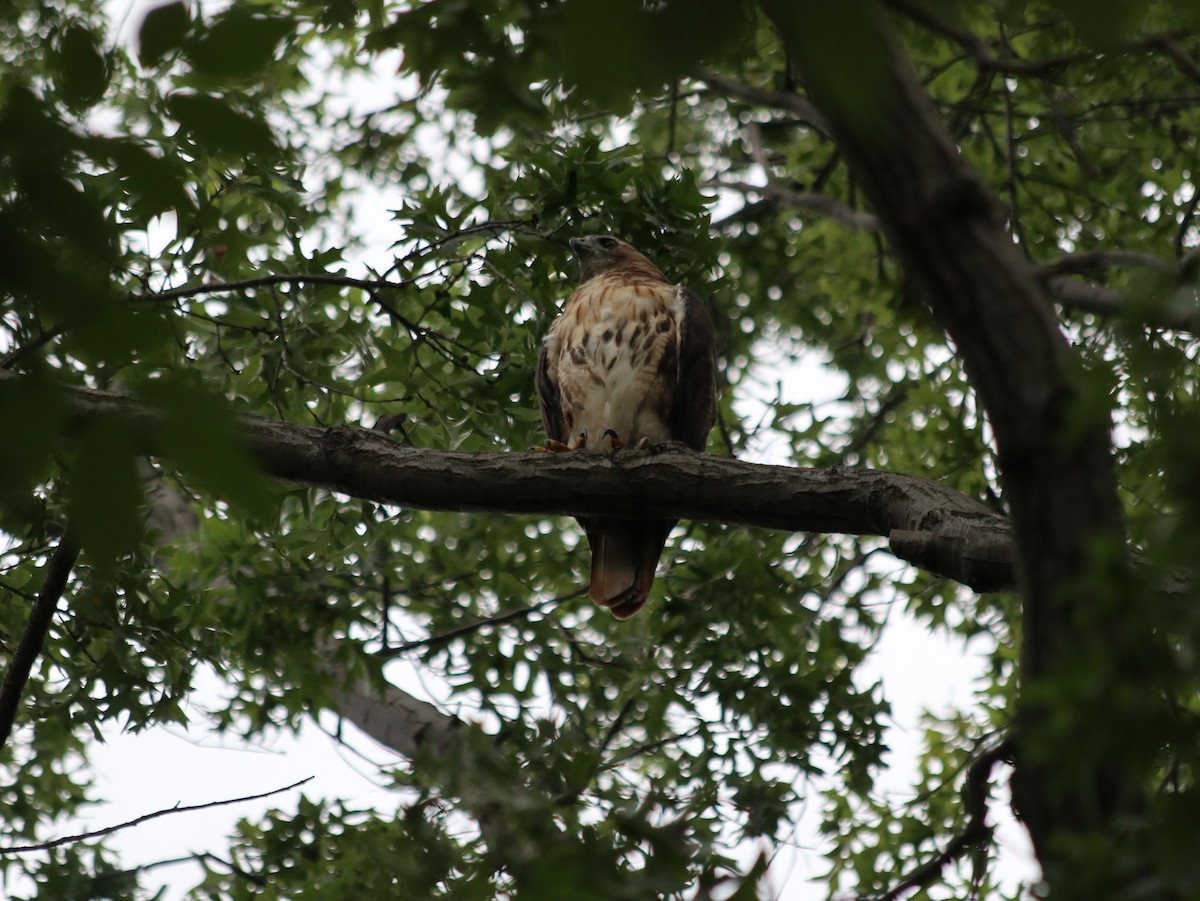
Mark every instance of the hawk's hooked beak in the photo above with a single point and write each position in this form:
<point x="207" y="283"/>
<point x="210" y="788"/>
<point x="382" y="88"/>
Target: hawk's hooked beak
<point x="581" y="250"/>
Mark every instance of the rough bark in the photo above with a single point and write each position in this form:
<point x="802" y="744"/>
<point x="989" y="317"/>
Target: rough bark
<point x="1054" y="447"/>
<point x="29" y="647"/>
<point x="927" y="524"/>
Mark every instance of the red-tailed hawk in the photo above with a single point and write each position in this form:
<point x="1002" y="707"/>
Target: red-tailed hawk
<point x="629" y="362"/>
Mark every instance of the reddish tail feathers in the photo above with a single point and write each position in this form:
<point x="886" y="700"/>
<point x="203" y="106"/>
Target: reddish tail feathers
<point x="624" y="556"/>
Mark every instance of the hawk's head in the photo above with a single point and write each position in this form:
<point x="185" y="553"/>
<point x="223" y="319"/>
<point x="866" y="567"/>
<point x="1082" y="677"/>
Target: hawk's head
<point x="597" y="254"/>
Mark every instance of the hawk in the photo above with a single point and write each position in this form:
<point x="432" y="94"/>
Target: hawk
<point x="629" y="362"/>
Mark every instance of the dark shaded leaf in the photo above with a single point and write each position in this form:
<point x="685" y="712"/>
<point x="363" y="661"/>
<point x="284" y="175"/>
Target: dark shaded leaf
<point x="105" y="494"/>
<point x="217" y="127"/>
<point x="163" y="30"/>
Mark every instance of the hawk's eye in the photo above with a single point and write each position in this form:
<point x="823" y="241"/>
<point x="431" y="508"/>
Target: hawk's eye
<point x="608" y="243"/>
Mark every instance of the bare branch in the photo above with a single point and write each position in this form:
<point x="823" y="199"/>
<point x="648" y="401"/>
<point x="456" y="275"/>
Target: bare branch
<point x="1075" y="295"/>
<point x="1170" y="46"/>
<point x="278" y="278"/>
<point x="1099" y="260"/>
<point x="975" y="796"/>
<point x="467" y="628"/>
<point x="82" y="836"/>
<point x="30" y="646"/>
<point x="976" y="47"/>
<point x="788" y="101"/>
<point x="806" y="202"/>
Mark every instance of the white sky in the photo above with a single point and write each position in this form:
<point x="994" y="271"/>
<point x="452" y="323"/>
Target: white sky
<point x="157" y="769"/>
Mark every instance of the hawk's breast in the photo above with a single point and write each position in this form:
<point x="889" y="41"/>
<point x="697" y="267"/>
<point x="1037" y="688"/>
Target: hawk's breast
<point x="614" y="353"/>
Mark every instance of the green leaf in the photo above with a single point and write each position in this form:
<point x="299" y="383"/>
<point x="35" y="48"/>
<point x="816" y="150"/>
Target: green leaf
<point x="240" y="42"/>
<point x="163" y="31"/>
<point x="155" y="183"/>
<point x="201" y="433"/>
<point x="219" y="128"/>
<point x="105" y="493"/>
<point x="84" y="72"/>
<point x="37" y="404"/>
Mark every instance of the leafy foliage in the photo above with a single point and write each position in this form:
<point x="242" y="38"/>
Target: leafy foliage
<point x="182" y="220"/>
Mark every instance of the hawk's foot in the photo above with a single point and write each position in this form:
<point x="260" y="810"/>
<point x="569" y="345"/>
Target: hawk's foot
<point x="552" y="447"/>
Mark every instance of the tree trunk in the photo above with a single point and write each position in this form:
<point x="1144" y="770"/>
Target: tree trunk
<point x="1074" y="784"/>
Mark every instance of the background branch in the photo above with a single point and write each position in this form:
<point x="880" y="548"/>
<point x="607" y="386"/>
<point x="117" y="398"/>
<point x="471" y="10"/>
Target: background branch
<point x="30" y="645"/>
<point x="975" y="797"/>
<point x="81" y="836"/>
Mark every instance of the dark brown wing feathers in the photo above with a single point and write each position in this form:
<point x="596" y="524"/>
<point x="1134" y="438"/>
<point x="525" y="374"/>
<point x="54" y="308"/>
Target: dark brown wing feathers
<point x="548" y="399"/>
<point x="694" y="407"/>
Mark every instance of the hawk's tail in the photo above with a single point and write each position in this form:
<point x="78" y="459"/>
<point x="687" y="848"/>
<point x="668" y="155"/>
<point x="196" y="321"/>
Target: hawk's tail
<point x="624" y="556"/>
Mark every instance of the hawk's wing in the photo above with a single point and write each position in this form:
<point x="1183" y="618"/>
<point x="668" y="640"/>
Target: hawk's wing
<point x="548" y="398"/>
<point x="694" y="404"/>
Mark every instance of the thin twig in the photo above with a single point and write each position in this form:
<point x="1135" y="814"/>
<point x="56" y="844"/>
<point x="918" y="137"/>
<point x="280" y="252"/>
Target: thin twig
<point x="1177" y="55"/>
<point x="17" y="354"/>
<point x="58" y="570"/>
<point x="278" y="278"/>
<point x="468" y="628"/>
<point x="975" y="798"/>
<point x="1185" y="224"/>
<point x="791" y="102"/>
<point x="817" y="204"/>
<point x="67" y="839"/>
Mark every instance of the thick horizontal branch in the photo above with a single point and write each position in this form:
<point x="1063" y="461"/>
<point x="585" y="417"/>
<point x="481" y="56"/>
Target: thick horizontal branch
<point x="930" y="525"/>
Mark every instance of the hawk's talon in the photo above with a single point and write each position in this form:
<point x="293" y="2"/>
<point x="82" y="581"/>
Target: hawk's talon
<point x="612" y="435"/>
<point x="552" y="447"/>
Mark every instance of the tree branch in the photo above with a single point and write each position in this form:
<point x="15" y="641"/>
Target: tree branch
<point x="278" y="278"/>
<point x="977" y="48"/>
<point x="1099" y="260"/>
<point x="412" y="728"/>
<point x="1052" y="429"/>
<point x="1170" y="314"/>
<point x="457" y="751"/>
<point x="941" y="529"/>
<point x="807" y="202"/>
<point x="58" y="570"/>
<point x="788" y="101"/>
<point x="468" y="628"/>
<point x="67" y="839"/>
<point x="1170" y="46"/>
<point x="975" y="796"/>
